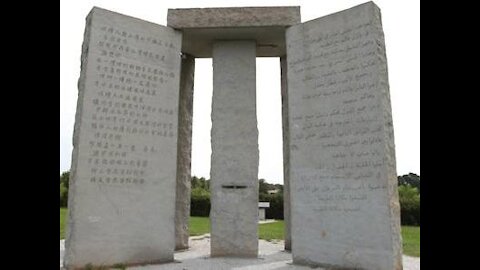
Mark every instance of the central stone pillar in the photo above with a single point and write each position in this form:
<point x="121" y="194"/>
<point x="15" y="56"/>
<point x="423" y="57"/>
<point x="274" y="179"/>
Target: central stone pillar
<point x="234" y="164"/>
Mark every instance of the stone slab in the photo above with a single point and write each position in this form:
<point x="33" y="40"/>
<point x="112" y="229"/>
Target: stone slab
<point x="121" y="197"/>
<point x="343" y="181"/>
<point x="201" y="27"/>
<point x="184" y="159"/>
<point x="286" y="154"/>
<point x="235" y="155"/>
<point x="233" y="17"/>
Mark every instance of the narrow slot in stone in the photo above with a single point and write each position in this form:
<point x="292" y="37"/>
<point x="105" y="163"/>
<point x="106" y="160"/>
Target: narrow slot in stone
<point x="233" y="187"/>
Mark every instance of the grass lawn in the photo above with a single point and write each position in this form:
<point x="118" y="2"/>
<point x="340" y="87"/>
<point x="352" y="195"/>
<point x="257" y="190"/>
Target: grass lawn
<point x="269" y="231"/>
<point x="63" y="222"/>
<point x="411" y="240"/>
<point x="198" y="225"/>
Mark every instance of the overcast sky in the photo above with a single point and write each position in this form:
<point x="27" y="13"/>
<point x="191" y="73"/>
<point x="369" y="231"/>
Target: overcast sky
<point x="401" y="24"/>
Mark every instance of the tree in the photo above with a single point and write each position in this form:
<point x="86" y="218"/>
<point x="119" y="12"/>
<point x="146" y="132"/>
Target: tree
<point x="195" y="182"/>
<point x="64" y="178"/>
<point x="207" y="184"/>
<point x="262" y="186"/>
<point x="410" y="179"/>
<point x="409" y="198"/>
<point x="200" y="183"/>
<point x="279" y="187"/>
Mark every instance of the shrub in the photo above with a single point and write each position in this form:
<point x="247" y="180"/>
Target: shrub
<point x="200" y="203"/>
<point x="64" y="178"/>
<point x="409" y="205"/>
<point x="63" y="195"/>
<point x="275" y="211"/>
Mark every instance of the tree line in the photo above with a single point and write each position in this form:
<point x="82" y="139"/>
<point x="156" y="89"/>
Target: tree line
<point x="408" y="190"/>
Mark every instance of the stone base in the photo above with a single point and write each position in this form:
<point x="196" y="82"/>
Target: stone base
<point x="270" y="256"/>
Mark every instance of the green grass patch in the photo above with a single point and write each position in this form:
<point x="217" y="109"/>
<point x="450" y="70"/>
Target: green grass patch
<point x="411" y="240"/>
<point x="270" y="231"/>
<point x="198" y="225"/>
<point x="63" y="222"/>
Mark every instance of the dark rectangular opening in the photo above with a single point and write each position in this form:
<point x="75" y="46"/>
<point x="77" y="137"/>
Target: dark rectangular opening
<point x="234" y="186"/>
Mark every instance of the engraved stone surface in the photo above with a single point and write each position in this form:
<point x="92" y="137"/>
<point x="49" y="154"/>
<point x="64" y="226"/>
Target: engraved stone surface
<point x="123" y="175"/>
<point x="201" y="27"/>
<point x="344" y="200"/>
<point x="234" y="165"/>
<point x="184" y="159"/>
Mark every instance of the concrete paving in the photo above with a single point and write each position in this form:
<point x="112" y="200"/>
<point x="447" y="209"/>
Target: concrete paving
<point x="271" y="256"/>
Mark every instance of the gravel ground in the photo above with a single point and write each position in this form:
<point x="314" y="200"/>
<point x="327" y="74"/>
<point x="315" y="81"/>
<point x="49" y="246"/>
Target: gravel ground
<point x="271" y="256"/>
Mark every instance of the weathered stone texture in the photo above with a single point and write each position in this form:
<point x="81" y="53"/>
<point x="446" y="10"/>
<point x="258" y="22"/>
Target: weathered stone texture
<point x="233" y="17"/>
<point x="202" y="27"/>
<point x="184" y="159"/>
<point x="234" y="166"/>
<point x="286" y="155"/>
<point x="121" y="204"/>
<point x="344" y="201"/>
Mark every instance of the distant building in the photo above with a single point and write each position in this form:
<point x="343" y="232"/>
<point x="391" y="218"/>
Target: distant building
<point x="261" y="209"/>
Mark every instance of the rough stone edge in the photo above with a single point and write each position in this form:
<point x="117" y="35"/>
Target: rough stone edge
<point x="184" y="150"/>
<point x="174" y="21"/>
<point x="69" y="235"/>
<point x="391" y="171"/>
<point x="286" y="153"/>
